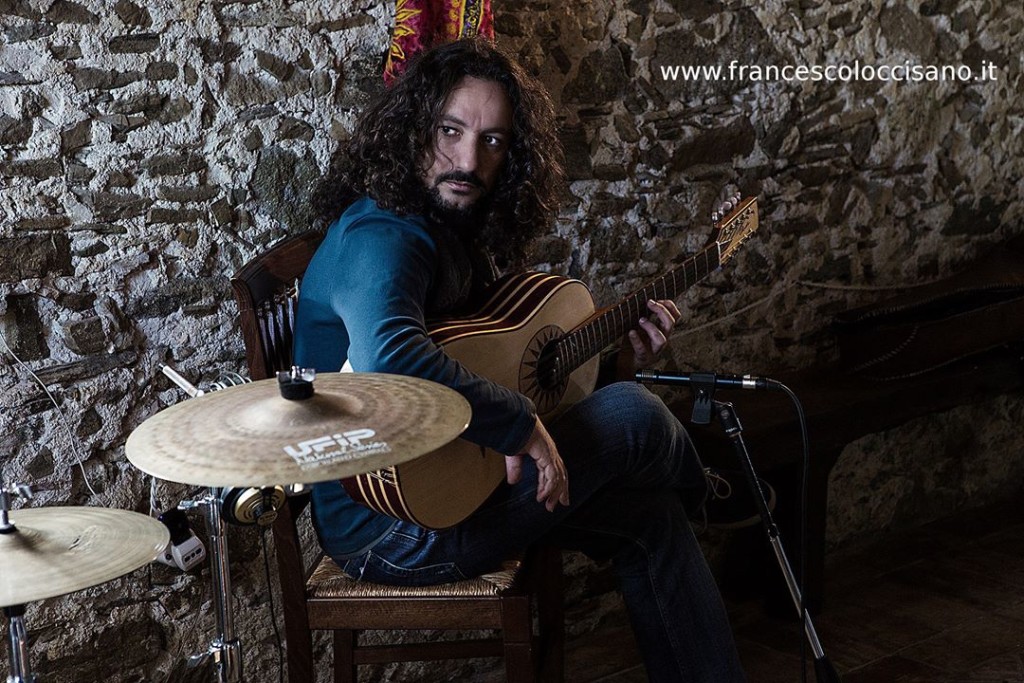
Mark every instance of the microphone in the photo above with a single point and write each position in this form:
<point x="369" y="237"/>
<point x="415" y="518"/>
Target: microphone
<point x="708" y="380"/>
<point x="182" y="383"/>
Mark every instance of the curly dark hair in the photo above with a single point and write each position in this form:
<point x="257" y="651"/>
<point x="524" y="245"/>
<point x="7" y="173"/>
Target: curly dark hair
<point x="384" y="157"/>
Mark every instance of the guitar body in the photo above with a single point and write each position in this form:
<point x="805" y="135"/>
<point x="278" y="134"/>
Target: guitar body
<point x="501" y="342"/>
<point x="538" y="334"/>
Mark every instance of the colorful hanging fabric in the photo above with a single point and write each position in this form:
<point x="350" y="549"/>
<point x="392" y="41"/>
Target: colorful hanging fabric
<point x="423" y="24"/>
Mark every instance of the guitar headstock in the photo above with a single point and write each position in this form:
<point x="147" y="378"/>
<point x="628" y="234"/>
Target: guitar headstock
<point x="739" y="224"/>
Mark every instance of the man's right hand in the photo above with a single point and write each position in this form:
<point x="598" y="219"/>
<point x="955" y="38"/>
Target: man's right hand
<point x="552" y="479"/>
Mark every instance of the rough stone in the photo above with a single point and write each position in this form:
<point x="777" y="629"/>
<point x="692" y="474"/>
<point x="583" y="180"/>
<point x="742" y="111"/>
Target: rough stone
<point x="121" y="124"/>
<point x="717" y="145"/>
<point x="90" y="78"/>
<point x="14" y="131"/>
<point x="66" y="52"/>
<point x="76" y="136"/>
<point x="84" y="337"/>
<point x="89" y="424"/>
<point x="176" y="294"/>
<point x="23" y="328"/>
<point x="67" y="12"/>
<point x="19" y="8"/>
<point x="343" y="24"/>
<point x="42" y="223"/>
<point x="135" y="43"/>
<point x="218" y="52"/>
<point x="110" y="206"/>
<point x="968" y="219"/>
<point x="697" y="10"/>
<point x="121" y="179"/>
<point x="933" y="7"/>
<point x="602" y="77"/>
<point x="33" y="104"/>
<point x="180" y="194"/>
<point x="66" y="373"/>
<point x="174" y="163"/>
<point x="550" y="249"/>
<point x="148" y="104"/>
<point x="31" y="31"/>
<point x="78" y="174"/>
<point x="41" y="465"/>
<point x="295" y="129"/>
<point x="34" y="256"/>
<point x="161" y="71"/>
<point x="132" y="14"/>
<point x="33" y="168"/>
<point x="163" y="215"/>
<point x="280" y="185"/>
<point x="908" y="31"/>
<point x="94" y="249"/>
<point x="254" y="140"/>
<point x="221" y="213"/>
<point x="274" y="65"/>
<point x="9" y="78"/>
<point x="578" y="164"/>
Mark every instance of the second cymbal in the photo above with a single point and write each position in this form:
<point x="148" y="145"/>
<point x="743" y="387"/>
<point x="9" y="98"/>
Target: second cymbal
<point x="58" y="550"/>
<point x="248" y="435"/>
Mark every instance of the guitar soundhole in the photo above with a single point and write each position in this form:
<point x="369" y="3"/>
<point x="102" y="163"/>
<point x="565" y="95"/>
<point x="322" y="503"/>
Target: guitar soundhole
<point x="538" y="371"/>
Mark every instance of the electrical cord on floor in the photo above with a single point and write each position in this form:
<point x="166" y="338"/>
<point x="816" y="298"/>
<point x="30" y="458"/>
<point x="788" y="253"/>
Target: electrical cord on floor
<point x="273" y="612"/>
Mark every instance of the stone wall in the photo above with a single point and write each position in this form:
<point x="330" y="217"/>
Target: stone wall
<point x="149" y="149"/>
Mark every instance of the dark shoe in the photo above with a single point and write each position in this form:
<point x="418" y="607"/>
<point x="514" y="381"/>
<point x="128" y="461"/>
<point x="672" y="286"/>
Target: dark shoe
<point x="730" y="503"/>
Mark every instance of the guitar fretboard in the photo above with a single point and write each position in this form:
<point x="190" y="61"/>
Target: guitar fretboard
<point x="608" y="326"/>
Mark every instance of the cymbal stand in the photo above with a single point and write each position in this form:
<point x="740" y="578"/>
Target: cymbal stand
<point x="17" y="645"/>
<point x="225" y="651"/>
<point x="17" y="640"/>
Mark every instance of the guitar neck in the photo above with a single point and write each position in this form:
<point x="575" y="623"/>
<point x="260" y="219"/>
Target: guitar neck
<point x="608" y="325"/>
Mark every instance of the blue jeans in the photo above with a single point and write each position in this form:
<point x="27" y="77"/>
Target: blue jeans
<point x="633" y="476"/>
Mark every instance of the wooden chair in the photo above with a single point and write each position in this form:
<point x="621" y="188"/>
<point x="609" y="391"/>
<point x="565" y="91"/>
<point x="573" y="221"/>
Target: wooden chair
<point x="321" y="597"/>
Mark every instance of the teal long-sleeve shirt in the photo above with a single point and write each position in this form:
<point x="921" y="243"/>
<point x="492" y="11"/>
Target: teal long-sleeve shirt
<point x="364" y="299"/>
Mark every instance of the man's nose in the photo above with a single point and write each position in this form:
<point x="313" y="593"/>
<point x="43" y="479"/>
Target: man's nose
<point x="467" y="155"/>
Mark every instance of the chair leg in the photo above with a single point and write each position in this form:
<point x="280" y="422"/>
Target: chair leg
<point x="550" y="614"/>
<point x="344" y="656"/>
<point x="517" y="639"/>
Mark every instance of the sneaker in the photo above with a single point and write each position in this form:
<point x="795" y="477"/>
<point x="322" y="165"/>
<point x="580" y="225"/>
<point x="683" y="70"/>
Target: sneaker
<point x="730" y="503"/>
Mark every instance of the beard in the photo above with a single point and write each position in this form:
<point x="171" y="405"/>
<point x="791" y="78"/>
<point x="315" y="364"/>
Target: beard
<point x="465" y="220"/>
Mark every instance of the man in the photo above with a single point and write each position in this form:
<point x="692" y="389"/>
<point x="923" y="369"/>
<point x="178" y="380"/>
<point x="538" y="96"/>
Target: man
<point x="460" y="158"/>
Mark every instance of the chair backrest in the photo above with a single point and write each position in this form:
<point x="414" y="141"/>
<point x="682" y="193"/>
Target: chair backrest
<point x="266" y="289"/>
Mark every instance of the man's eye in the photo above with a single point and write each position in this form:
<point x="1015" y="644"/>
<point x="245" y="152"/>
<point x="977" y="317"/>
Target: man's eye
<point x="492" y="141"/>
<point x="448" y="131"/>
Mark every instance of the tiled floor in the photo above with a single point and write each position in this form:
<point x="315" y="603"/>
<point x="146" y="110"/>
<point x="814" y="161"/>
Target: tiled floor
<point x="942" y="603"/>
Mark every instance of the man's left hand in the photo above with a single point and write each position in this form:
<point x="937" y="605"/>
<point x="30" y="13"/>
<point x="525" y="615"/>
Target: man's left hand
<point x="650" y="338"/>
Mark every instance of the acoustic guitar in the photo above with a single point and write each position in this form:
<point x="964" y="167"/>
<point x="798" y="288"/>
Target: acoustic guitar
<point x="538" y="334"/>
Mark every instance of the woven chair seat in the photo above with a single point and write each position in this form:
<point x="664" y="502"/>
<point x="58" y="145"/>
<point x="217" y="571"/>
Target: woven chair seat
<point x="328" y="581"/>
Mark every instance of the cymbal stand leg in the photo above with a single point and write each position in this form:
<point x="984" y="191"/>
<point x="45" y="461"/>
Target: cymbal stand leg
<point x="17" y="645"/>
<point x="225" y="650"/>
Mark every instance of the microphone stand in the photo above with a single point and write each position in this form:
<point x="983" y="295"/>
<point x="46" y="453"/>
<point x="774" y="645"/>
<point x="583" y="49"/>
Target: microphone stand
<point x="703" y="385"/>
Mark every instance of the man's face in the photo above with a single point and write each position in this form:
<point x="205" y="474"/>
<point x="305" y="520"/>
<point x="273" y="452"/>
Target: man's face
<point x="470" y="144"/>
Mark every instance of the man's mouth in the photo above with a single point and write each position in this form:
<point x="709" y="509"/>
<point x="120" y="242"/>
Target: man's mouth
<point x="461" y="187"/>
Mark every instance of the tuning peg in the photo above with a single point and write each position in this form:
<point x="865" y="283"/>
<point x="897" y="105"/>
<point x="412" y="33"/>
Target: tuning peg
<point x="715" y="216"/>
<point x="736" y="199"/>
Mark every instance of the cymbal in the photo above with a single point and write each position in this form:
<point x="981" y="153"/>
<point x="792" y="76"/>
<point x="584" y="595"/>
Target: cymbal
<point x="60" y="550"/>
<point x="248" y="435"/>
